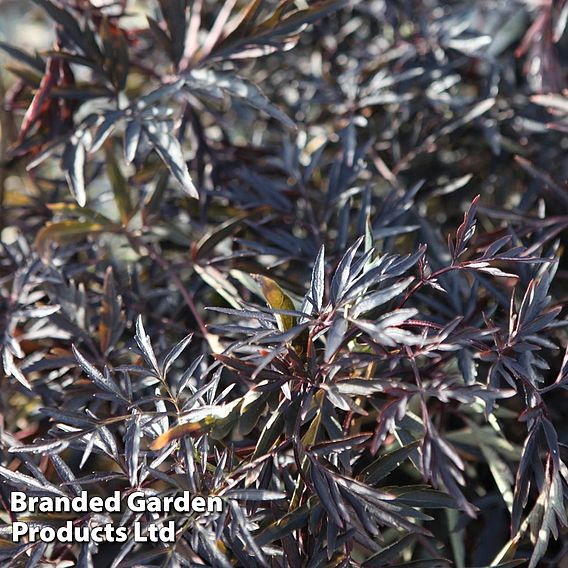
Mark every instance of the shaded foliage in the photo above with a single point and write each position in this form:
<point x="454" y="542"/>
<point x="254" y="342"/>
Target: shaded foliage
<point x="303" y="256"/>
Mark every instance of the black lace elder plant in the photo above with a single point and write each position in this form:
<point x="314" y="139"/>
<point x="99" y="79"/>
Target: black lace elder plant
<point x="305" y="417"/>
<point x="350" y="381"/>
<point x="357" y="391"/>
<point x="189" y="73"/>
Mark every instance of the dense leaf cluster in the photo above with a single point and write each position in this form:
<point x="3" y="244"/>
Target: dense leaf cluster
<point x="303" y="256"/>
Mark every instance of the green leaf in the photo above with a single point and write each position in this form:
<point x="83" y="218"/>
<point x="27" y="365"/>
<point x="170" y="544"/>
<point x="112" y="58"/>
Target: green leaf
<point x="119" y="186"/>
<point x="64" y="232"/>
<point x="252" y="408"/>
<point x="271" y="431"/>
<point x="277" y="300"/>
<point x="204" y="418"/>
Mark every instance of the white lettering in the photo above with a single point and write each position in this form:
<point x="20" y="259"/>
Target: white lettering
<point x="138" y="536"/>
<point x="214" y="504"/>
<point x="19" y="529"/>
<point x="96" y="504"/>
<point x="136" y="502"/>
<point x="167" y="533"/>
<point x="112" y="503"/>
<point x="18" y="501"/>
<point x="198" y="504"/>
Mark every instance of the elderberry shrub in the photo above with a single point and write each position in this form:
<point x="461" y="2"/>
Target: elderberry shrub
<point x="300" y="257"/>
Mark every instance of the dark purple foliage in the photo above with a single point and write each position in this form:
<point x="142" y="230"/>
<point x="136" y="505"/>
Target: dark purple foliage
<point x="303" y="256"/>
